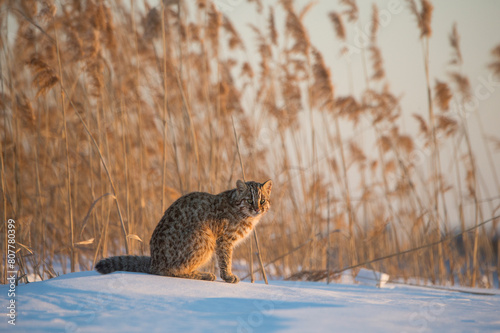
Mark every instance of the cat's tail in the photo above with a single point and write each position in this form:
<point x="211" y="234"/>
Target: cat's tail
<point x="124" y="263"/>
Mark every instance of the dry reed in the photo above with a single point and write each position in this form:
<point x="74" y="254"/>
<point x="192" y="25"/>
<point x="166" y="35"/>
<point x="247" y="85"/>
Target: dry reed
<point x="110" y="113"/>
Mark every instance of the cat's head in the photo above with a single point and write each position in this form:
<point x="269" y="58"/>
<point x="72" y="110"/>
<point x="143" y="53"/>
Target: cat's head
<point x="254" y="197"/>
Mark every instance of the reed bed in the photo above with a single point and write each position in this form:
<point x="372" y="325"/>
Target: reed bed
<point x="110" y="112"/>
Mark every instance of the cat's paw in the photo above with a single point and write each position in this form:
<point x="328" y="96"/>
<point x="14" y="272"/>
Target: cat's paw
<point x="208" y="276"/>
<point x="230" y="278"/>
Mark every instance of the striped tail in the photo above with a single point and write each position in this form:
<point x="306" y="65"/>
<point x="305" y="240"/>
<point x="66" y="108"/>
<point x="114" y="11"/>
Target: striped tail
<point x="124" y="263"/>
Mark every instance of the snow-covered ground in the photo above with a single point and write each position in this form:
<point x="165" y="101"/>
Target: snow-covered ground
<point x="133" y="302"/>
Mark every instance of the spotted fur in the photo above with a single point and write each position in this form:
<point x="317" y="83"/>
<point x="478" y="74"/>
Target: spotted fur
<point x="194" y="227"/>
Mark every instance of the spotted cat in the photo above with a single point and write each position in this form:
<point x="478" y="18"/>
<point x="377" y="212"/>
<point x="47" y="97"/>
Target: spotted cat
<point x="193" y="227"/>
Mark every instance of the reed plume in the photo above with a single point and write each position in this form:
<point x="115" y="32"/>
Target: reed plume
<point x="352" y="11"/>
<point x="424" y="16"/>
<point x="423" y="127"/>
<point x="378" y="67"/>
<point x="375" y="24"/>
<point x="296" y="29"/>
<point x="462" y="83"/>
<point x="234" y="38"/>
<point x="45" y="77"/>
<point x="495" y="65"/>
<point x="442" y="95"/>
<point x="447" y="125"/>
<point x="273" y="34"/>
<point x="338" y="25"/>
<point x="454" y="39"/>
<point x="322" y="92"/>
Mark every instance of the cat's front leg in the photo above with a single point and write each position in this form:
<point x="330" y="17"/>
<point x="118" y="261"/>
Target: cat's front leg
<point x="224" y="252"/>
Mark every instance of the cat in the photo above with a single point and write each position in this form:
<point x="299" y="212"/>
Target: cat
<point x="193" y="227"/>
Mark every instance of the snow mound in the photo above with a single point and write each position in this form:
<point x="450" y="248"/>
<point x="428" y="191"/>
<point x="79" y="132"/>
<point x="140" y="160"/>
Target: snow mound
<point x="134" y="302"/>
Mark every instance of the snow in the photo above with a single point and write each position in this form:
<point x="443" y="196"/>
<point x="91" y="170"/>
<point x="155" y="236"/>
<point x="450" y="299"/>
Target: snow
<point x="370" y="277"/>
<point x="135" y="302"/>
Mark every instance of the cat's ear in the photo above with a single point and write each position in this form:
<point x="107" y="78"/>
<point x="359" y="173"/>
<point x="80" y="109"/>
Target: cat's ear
<point x="267" y="186"/>
<point x="241" y="186"/>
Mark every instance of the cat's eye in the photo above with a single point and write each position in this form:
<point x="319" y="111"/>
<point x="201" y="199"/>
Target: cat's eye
<point x="250" y="201"/>
<point x="263" y="201"/>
